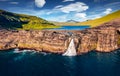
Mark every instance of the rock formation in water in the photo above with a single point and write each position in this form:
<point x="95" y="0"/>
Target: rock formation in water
<point x="104" y="38"/>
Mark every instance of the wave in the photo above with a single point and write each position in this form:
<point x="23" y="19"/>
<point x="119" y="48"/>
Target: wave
<point x="22" y="51"/>
<point x="31" y="52"/>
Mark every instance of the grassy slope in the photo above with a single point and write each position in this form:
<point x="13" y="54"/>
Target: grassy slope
<point x="20" y="21"/>
<point x="95" y="22"/>
<point x="104" y="19"/>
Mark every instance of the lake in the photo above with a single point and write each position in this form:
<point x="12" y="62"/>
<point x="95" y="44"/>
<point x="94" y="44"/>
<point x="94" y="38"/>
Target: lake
<point x="26" y="63"/>
<point x="71" y="28"/>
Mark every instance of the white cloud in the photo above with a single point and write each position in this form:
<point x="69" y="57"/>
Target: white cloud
<point x="80" y="15"/>
<point x="96" y="17"/>
<point x="107" y="11"/>
<point x="112" y="4"/>
<point x="59" y="6"/>
<point x="67" y="0"/>
<point x="58" y="13"/>
<point x="73" y="7"/>
<point x="61" y="18"/>
<point x="14" y="3"/>
<point x="40" y="3"/>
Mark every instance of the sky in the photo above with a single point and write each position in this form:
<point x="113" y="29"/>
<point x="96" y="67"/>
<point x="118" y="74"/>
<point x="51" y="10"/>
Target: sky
<point x="62" y="10"/>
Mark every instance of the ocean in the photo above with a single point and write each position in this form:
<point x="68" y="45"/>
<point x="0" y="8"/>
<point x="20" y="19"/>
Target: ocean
<point x="31" y="63"/>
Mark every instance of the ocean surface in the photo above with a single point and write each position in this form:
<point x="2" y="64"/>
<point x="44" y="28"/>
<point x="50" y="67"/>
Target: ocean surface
<point x="71" y="28"/>
<point x="14" y="63"/>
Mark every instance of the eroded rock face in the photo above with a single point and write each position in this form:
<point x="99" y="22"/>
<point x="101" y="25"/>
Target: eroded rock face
<point x="49" y="41"/>
<point x="104" y="38"/>
<point x="107" y="40"/>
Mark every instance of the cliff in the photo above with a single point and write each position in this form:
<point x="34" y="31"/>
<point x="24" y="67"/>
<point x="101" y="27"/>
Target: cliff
<point x="104" y="38"/>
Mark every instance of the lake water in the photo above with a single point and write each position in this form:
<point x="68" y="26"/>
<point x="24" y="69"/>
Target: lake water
<point x="41" y="64"/>
<point x="72" y="28"/>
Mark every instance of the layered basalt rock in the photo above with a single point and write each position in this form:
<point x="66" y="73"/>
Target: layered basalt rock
<point x="104" y="38"/>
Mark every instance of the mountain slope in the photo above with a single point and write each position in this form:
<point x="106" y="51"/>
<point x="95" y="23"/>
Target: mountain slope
<point x="72" y="21"/>
<point x="94" y="22"/>
<point x="12" y="21"/>
<point x="104" y="19"/>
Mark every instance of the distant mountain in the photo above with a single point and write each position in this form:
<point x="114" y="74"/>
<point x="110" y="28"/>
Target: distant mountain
<point x="11" y="20"/>
<point x="72" y="21"/>
<point x="102" y="20"/>
<point x="94" y="22"/>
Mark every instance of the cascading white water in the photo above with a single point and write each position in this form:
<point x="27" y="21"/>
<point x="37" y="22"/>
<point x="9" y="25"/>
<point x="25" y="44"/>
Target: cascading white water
<point x="71" y="51"/>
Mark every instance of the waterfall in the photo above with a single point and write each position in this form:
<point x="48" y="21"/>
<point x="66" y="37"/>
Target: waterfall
<point x="71" y="51"/>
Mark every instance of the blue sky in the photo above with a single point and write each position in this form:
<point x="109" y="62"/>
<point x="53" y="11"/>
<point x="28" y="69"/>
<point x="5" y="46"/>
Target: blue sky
<point x="62" y="10"/>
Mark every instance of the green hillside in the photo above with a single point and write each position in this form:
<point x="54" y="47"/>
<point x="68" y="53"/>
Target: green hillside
<point x="104" y="19"/>
<point x="20" y="21"/>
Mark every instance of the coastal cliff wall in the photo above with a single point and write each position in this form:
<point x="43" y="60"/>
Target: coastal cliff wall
<point x="104" y="38"/>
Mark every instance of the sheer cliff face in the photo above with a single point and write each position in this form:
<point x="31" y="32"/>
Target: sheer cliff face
<point x="49" y="41"/>
<point x="104" y="38"/>
<point x="107" y="40"/>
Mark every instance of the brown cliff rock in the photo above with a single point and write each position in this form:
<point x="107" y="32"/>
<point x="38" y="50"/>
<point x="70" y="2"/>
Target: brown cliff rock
<point x="104" y="38"/>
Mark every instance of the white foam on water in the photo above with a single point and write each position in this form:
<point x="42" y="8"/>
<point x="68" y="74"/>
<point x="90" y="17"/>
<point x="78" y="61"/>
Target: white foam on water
<point x="43" y="53"/>
<point x="22" y="51"/>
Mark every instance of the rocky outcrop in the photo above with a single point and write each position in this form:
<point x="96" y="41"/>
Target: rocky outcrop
<point x="49" y="41"/>
<point x="104" y="38"/>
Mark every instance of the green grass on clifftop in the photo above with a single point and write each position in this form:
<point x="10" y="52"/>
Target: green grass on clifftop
<point x="21" y="21"/>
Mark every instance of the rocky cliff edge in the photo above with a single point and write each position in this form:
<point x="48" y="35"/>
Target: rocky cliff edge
<point x="103" y="38"/>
